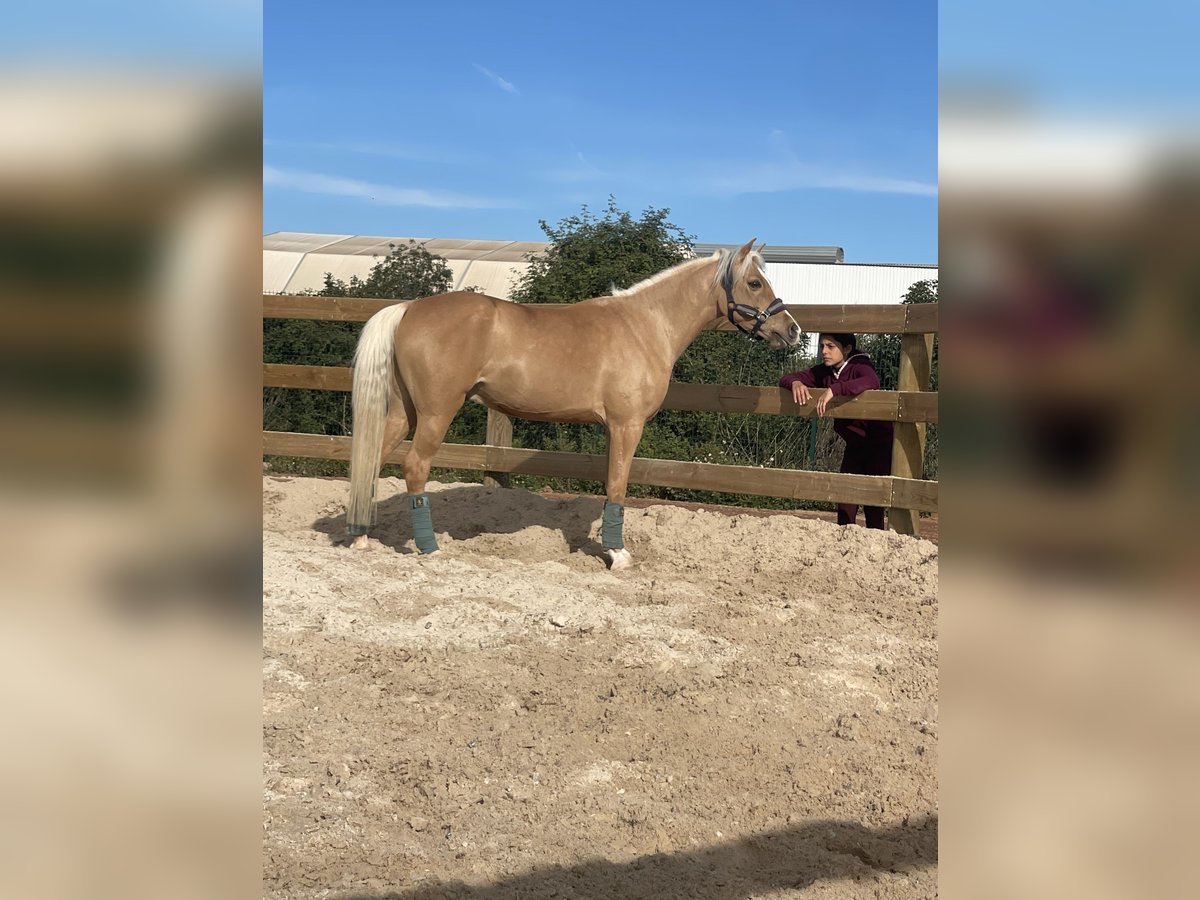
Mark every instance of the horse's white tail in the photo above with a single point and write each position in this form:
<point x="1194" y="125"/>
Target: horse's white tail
<point x="375" y="386"/>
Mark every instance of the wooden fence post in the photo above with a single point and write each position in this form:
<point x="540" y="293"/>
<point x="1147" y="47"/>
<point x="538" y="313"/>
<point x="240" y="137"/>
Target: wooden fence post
<point x="499" y="434"/>
<point x="908" y="441"/>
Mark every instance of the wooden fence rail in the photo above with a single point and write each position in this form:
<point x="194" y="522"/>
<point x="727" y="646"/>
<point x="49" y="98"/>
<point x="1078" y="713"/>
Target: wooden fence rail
<point x="911" y="408"/>
<point x="895" y="406"/>
<point x="796" y="484"/>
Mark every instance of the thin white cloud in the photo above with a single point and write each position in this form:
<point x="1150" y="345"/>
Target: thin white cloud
<point x="788" y="172"/>
<point x="497" y="80"/>
<point x="316" y="183"/>
<point x="775" y="178"/>
<point x="875" y="185"/>
<point x="387" y="149"/>
<point x="780" y="172"/>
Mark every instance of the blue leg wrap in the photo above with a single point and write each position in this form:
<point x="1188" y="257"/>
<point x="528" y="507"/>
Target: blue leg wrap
<point x="422" y="523"/>
<point x="613" y="526"/>
<point x="356" y="530"/>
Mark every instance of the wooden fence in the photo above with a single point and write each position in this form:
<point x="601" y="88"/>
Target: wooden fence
<point x="911" y="407"/>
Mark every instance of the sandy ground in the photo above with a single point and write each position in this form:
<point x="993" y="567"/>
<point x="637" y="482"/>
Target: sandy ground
<point x="749" y="712"/>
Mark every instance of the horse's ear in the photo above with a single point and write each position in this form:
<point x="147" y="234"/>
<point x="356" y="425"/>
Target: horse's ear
<point x="745" y="248"/>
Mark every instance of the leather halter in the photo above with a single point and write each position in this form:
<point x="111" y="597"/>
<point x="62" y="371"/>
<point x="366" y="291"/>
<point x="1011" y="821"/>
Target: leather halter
<point x="759" y="316"/>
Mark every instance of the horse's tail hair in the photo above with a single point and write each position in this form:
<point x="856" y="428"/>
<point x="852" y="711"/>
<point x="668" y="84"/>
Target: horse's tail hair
<point x="375" y="386"/>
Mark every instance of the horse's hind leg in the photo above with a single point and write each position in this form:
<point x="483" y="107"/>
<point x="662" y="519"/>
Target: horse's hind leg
<point x="394" y="431"/>
<point x="431" y="429"/>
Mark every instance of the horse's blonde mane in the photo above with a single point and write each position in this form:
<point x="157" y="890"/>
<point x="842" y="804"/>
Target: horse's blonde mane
<point x="659" y="276"/>
<point x="724" y="258"/>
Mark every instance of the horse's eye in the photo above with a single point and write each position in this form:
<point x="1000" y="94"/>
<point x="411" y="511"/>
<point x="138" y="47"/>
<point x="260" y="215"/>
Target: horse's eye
<point x="755" y="284"/>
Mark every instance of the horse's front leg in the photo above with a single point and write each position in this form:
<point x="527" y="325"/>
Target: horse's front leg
<point x="431" y="429"/>
<point x="622" y="442"/>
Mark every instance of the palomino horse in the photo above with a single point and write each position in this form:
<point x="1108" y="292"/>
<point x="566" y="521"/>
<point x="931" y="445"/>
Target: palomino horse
<point x="605" y="360"/>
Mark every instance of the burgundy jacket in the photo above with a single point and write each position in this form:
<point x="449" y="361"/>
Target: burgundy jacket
<point x="856" y="375"/>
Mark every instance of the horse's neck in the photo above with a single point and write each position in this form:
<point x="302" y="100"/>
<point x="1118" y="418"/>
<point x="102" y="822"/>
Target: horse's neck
<point x="677" y="308"/>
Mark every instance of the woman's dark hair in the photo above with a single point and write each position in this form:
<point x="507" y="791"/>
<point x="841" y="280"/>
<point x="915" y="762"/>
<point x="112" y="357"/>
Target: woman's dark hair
<point x="846" y="339"/>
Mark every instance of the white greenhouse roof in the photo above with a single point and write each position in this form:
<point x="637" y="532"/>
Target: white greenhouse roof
<point x="296" y="261"/>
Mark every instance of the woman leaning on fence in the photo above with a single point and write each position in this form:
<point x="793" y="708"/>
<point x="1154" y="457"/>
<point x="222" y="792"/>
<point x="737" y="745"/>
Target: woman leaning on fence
<point x="845" y="371"/>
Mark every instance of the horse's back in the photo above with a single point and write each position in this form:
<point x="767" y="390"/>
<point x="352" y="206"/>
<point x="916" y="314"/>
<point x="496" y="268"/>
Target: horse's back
<point x="460" y="314"/>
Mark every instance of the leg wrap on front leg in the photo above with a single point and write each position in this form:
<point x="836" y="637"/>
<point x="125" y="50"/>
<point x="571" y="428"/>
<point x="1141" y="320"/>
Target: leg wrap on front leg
<point x="422" y="523"/>
<point x="613" y="526"/>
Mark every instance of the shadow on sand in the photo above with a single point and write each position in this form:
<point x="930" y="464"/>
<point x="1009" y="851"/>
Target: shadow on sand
<point x="468" y="512"/>
<point x="791" y="858"/>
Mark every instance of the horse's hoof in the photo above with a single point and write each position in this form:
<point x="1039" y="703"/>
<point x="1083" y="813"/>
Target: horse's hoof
<point x="359" y="543"/>
<point x="618" y="559"/>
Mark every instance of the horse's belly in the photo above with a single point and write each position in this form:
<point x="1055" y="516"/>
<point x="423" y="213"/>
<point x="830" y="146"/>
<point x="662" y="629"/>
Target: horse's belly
<point x="580" y="385"/>
<point x="544" y="404"/>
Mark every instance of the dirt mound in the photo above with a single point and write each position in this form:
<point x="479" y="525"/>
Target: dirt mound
<point x="751" y="711"/>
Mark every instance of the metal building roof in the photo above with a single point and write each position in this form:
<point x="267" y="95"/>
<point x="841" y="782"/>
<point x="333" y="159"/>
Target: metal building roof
<point x="825" y="255"/>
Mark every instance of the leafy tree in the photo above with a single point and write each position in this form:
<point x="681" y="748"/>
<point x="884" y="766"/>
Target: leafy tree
<point x="589" y="256"/>
<point x="408" y="272"/>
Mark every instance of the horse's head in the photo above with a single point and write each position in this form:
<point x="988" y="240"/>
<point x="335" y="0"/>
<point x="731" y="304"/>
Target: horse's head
<point x="749" y="301"/>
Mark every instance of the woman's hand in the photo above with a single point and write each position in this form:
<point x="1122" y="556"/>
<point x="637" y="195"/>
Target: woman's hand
<point x="823" y="402"/>
<point x="800" y="393"/>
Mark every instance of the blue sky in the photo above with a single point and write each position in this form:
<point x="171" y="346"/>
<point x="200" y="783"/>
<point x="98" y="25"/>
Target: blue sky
<point x="796" y="123"/>
<point x="179" y="34"/>
<point x="1128" y="60"/>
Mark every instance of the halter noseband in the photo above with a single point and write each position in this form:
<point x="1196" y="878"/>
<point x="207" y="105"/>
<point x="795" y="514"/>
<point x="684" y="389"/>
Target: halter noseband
<point x="759" y="316"/>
